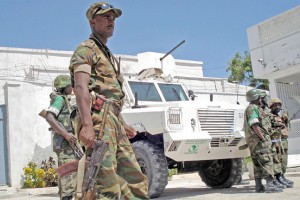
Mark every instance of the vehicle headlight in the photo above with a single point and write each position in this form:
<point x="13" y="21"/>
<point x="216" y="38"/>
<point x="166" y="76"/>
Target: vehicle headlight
<point x="175" y="118"/>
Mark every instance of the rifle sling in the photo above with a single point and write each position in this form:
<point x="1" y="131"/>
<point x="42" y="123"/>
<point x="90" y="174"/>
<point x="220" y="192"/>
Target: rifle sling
<point x="68" y="168"/>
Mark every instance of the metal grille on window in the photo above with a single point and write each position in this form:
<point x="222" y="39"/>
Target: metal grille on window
<point x="175" y="119"/>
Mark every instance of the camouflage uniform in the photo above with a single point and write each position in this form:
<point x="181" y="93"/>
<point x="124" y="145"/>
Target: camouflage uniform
<point x="59" y="106"/>
<point x="284" y="140"/>
<point x="119" y="162"/>
<point x="280" y="135"/>
<point x="260" y="151"/>
<point x="257" y="125"/>
<point x="274" y="139"/>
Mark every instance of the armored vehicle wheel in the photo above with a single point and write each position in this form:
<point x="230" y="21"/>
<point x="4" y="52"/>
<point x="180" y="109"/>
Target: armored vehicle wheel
<point x="221" y="173"/>
<point x="153" y="164"/>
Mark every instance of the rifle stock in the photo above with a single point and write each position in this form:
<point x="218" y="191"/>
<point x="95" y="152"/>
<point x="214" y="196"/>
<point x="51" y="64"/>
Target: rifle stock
<point x="43" y="113"/>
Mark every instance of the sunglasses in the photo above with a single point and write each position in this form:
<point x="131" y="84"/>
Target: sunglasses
<point x="102" y="7"/>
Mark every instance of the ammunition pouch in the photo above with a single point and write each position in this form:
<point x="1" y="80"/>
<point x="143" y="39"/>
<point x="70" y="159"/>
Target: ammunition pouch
<point x="97" y="103"/>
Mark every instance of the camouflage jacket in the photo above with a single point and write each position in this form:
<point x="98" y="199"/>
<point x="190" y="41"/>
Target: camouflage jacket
<point x="278" y="131"/>
<point x="255" y="115"/>
<point x="105" y="79"/>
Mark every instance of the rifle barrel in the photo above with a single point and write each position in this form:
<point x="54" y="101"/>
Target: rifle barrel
<point x="183" y="41"/>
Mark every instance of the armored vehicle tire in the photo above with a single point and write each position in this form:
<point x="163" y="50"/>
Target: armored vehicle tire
<point x="221" y="173"/>
<point x="153" y="164"/>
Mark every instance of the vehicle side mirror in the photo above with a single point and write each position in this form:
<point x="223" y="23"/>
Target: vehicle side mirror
<point x="136" y="100"/>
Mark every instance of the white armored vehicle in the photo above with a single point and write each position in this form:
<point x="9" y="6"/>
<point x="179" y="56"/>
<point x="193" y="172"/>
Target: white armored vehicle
<point x="176" y="132"/>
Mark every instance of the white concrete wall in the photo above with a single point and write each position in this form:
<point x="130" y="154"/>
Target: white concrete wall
<point x="28" y="138"/>
<point x="275" y="42"/>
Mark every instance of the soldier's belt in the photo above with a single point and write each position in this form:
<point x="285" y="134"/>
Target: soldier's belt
<point x="116" y="110"/>
<point x="68" y="168"/>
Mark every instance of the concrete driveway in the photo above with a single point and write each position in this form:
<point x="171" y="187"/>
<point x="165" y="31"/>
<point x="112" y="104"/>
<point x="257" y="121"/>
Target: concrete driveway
<point x="188" y="186"/>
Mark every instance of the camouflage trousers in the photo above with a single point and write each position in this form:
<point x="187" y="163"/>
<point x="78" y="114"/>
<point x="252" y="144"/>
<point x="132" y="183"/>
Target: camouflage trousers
<point x="67" y="184"/>
<point x="261" y="156"/>
<point x="120" y="174"/>
<point x="284" y="155"/>
<point x="276" y="159"/>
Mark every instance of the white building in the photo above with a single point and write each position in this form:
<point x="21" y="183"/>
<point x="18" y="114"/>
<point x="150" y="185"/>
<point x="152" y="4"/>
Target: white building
<point x="26" y="82"/>
<point x="275" y="55"/>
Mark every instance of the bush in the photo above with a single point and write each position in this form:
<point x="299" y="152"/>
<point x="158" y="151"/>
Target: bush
<point x="45" y="176"/>
<point x="51" y="176"/>
<point x="172" y="172"/>
<point x="34" y="178"/>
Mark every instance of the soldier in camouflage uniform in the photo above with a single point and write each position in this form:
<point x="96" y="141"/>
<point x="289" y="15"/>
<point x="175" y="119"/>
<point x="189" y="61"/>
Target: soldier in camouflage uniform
<point x="59" y="112"/>
<point x="269" y="116"/>
<point x="94" y="70"/>
<point x="279" y="138"/>
<point x="256" y="127"/>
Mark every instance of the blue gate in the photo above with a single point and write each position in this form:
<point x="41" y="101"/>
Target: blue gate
<point x="3" y="147"/>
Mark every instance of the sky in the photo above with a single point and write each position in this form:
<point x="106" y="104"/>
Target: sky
<point x="214" y="30"/>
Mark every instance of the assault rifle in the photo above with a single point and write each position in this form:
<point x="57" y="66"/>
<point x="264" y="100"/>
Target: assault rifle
<point x="99" y="149"/>
<point x="77" y="151"/>
<point x="94" y="165"/>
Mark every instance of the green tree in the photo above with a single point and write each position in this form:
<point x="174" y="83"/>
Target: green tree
<point x="241" y="72"/>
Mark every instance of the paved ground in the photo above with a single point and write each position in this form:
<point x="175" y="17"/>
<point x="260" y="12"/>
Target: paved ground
<point x="187" y="186"/>
<point x="194" y="189"/>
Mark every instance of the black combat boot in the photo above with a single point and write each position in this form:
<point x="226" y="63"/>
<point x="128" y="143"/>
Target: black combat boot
<point x="287" y="180"/>
<point x="67" y="198"/>
<point x="259" y="187"/>
<point x="282" y="181"/>
<point x="270" y="187"/>
<point x="279" y="185"/>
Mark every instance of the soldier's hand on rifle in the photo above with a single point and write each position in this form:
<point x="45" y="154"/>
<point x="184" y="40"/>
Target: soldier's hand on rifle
<point x="130" y="131"/>
<point x="87" y="136"/>
<point x="70" y="137"/>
